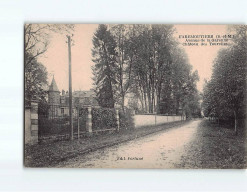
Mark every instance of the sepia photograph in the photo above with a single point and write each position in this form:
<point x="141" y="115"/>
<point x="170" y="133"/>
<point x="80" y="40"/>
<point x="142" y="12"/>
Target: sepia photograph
<point x="148" y="96"/>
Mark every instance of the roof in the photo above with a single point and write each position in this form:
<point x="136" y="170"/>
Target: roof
<point x="84" y="93"/>
<point x="53" y="86"/>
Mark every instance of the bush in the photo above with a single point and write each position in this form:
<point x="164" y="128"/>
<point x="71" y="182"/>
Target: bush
<point x="83" y="113"/>
<point x="56" y="126"/>
<point x="126" y="119"/>
<point x="103" y="118"/>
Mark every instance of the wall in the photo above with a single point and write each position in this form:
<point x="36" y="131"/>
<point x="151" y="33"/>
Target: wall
<point x="146" y="120"/>
<point x="31" y="124"/>
<point x="27" y="124"/>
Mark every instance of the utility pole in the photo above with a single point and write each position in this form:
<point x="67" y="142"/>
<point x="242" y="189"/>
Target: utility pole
<point x="70" y="89"/>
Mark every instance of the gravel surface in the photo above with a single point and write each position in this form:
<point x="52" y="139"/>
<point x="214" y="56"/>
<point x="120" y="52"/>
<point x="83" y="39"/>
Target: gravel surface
<point x="163" y="149"/>
<point x="199" y="144"/>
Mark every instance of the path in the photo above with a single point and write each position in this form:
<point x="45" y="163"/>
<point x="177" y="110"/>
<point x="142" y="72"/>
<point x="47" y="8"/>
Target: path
<point x="158" y="150"/>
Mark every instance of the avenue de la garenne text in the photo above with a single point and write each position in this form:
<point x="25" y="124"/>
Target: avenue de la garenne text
<point x="206" y="40"/>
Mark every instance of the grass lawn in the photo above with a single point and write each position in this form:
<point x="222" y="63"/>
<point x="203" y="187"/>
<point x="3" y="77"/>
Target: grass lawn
<point x="50" y="154"/>
<point x="216" y="147"/>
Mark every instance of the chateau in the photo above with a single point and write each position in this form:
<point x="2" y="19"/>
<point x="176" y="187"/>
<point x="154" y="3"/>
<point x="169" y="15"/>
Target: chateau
<point x="59" y="104"/>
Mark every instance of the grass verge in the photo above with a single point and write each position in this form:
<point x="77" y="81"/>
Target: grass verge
<point x="215" y="147"/>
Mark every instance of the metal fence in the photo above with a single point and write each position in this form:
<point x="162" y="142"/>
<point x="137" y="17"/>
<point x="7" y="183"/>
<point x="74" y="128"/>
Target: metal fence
<point x="54" y="121"/>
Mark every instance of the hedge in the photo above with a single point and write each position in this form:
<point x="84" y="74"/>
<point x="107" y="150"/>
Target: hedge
<point x="103" y="118"/>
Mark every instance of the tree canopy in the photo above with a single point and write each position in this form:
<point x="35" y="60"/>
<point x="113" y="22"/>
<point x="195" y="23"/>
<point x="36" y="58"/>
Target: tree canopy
<point x="146" y="66"/>
<point x="225" y="94"/>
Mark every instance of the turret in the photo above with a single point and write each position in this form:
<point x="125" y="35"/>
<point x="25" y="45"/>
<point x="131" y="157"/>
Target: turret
<point x="53" y="93"/>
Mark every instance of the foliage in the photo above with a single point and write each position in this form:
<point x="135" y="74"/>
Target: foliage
<point x="43" y="108"/>
<point x="83" y="112"/>
<point x="126" y="119"/>
<point x="125" y="57"/>
<point x="36" y="38"/>
<point x="57" y="126"/>
<point x="104" y="70"/>
<point x="103" y="118"/>
<point x="35" y="80"/>
<point x="225" y="94"/>
<point x="147" y="63"/>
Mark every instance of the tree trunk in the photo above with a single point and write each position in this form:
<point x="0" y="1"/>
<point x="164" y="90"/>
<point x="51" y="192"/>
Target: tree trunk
<point x="123" y="100"/>
<point x="141" y="98"/>
<point x="145" y="98"/>
<point x="149" y="102"/>
<point x="235" y="123"/>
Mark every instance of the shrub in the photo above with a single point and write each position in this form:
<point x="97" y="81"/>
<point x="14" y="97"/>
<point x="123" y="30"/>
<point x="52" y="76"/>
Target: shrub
<point x="83" y="113"/>
<point x="126" y="119"/>
<point x="56" y="126"/>
<point x="103" y="118"/>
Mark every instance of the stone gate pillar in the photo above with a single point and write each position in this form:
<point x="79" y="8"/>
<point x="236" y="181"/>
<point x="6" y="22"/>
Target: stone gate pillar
<point x="31" y="123"/>
<point x="89" y="120"/>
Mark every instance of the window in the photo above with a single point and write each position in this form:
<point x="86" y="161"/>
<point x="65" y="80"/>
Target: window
<point x="62" y="111"/>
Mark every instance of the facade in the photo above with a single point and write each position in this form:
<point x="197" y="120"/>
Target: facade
<point x="59" y="103"/>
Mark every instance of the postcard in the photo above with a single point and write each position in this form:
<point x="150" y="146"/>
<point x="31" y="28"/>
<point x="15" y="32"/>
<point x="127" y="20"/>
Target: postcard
<point x="135" y="96"/>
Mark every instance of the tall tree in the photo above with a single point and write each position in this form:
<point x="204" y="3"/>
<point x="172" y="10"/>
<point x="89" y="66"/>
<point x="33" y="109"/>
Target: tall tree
<point x="35" y="80"/>
<point x="124" y="56"/>
<point x="146" y="61"/>
<point x="104" y="69"/>
<point x="225" y="94"/>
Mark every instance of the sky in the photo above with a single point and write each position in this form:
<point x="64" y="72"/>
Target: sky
<point x="56" y="57"/>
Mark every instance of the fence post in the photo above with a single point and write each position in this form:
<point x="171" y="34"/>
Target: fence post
<point x="117" y="117"/>
<point x="89" y="120"/>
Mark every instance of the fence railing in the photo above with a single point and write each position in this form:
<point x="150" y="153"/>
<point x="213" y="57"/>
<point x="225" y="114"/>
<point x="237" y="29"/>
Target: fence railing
<point x="54" y="122"/>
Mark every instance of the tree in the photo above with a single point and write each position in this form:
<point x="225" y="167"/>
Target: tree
<point x="104" y="69"/>
<point x="152" y="61"/>
<point x="36" y="38"/>
<point x="124" y="56"/>
<point x="36" y="41"/>
<point x="224" y="95"/>
<point x="144" y="60"/>
<point x="35" y="80"/>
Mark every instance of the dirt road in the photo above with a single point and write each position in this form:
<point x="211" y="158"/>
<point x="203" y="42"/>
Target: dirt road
<point x="159" y="150"/>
